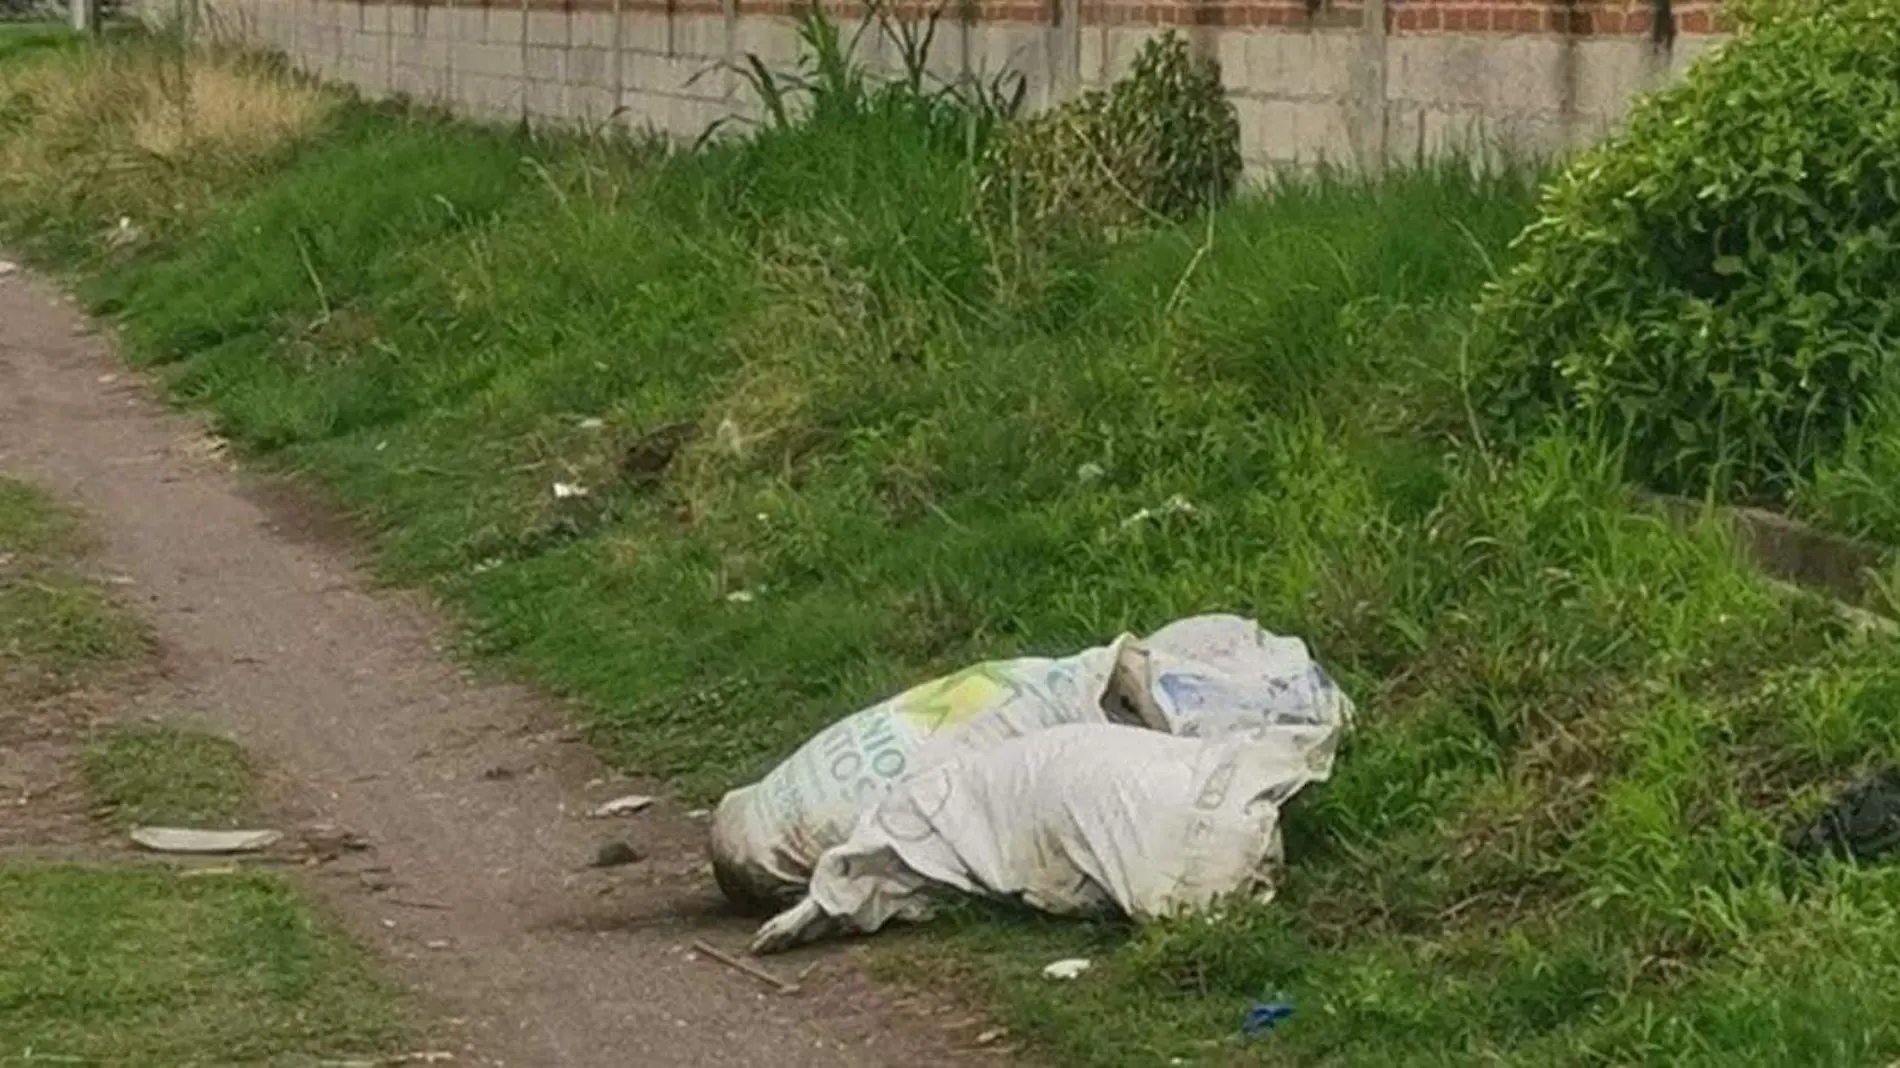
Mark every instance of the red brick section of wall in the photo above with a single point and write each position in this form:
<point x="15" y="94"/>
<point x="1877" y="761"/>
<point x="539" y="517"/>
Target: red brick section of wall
<point x="1604" y="17"/>
<point x="1583" y="18"/>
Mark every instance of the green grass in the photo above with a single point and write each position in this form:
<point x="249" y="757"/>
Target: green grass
<point x="20" y="40"/>
<point x="1554" y="838"/>
<point x="145" y="967"/>
<point x="158" y="775"/>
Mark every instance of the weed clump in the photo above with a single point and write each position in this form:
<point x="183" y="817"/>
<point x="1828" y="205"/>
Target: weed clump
<point x="1714" y="286"/>
<point x="1162" y="143"/>
<point x="830" y="81"/>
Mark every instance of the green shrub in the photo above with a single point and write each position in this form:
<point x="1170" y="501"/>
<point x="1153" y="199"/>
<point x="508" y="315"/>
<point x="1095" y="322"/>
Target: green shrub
<point x="1163" y="142"/>
<point x="1716" y="285"/>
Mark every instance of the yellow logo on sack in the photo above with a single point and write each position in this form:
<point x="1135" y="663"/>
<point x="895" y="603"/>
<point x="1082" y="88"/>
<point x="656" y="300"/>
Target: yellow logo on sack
<point x="954" y="699"/>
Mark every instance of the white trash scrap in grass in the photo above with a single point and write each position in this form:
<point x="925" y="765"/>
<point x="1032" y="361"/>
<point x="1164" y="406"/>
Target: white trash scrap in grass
<point x="1211" y="683"/>
<point x="1067" y="968"/>
<point x="622" y="806"/>
<point x="1175" y="505"/>
<point x="125" y="234"/>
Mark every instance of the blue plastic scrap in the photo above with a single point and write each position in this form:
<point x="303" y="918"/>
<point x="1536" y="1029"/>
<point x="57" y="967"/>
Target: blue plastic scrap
<point x="1263" y="1017"/>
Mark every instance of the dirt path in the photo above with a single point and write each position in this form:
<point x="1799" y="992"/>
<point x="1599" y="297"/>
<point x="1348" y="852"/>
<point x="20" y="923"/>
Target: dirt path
<point x="472" y="795"/>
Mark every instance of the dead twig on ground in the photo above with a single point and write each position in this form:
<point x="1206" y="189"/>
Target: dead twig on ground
<point x="781" y="985"/>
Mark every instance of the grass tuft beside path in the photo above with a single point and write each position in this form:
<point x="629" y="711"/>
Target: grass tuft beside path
<point x="834" y="436"/>
<point x="158" y="775"/>
<point x="57" y="630"/>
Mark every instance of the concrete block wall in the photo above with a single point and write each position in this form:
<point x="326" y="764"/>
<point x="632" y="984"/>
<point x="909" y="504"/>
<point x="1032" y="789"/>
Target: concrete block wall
<point x="1356" y="83"/>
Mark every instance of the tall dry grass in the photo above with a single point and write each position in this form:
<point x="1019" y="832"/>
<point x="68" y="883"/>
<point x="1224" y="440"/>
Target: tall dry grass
<point x="142" y="131"/>
<point x="227" y="104"/>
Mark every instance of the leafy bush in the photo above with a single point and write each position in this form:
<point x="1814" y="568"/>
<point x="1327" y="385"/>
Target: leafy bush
<point x="1163" y="142"/>
<point x="1716" y="285"/>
